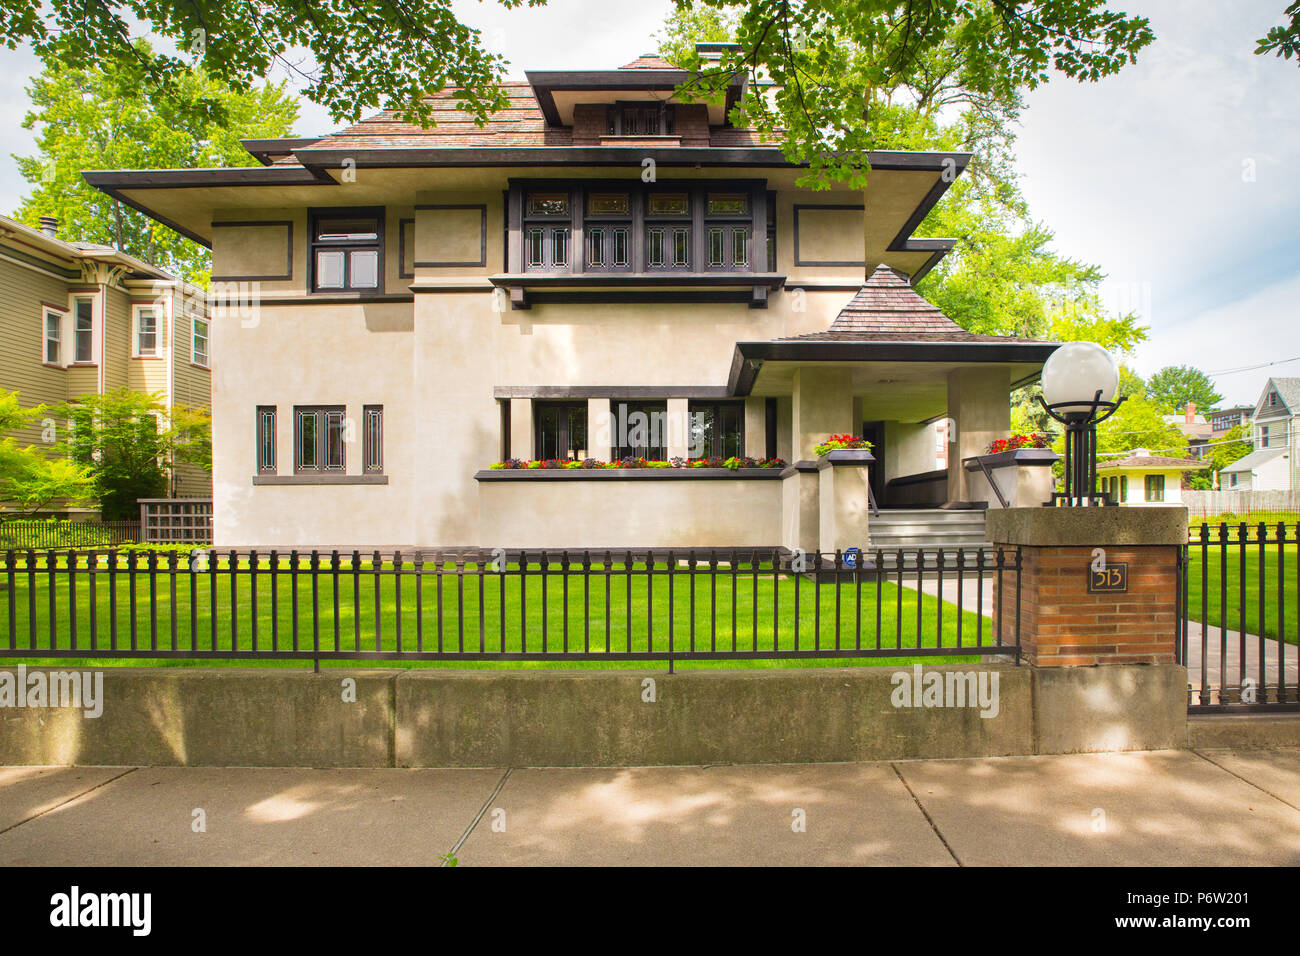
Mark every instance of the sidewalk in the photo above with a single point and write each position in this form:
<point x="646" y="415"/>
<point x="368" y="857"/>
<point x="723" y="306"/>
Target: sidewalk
<point x="1160" y="808"/>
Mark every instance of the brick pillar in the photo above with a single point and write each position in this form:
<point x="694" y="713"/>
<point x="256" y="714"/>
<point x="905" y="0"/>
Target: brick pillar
<point x="1062" y="622"/>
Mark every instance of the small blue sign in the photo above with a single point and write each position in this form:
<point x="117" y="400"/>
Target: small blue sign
<point x="851" y="558"/>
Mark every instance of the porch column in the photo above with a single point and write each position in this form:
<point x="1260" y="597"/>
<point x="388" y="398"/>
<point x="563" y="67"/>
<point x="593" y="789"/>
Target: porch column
<point x="598" y="428"/>
<point x="980" y="407"/>
<point x="756" y="427"/>
<point x="521" y="428"/>
<point x="822" y="406"/>
<point x="677" y="441"/>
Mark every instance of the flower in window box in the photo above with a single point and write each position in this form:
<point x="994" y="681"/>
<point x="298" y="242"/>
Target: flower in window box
<point x="838" y="442"/>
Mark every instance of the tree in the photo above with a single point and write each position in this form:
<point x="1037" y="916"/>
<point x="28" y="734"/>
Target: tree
<point x="359" y="55"/>
<point x="847" y="77"/>
<point x="103" y="118"/>
<point x="128" y="440"/>
<point x="1140" y="423"/>
<point x="1175" y="386"/>
<point x="1284" y="41"/>
<point x="31" y="479"/>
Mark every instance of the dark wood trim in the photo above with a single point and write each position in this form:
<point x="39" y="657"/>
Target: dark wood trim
<point x="34" y="262"/>
<point x="482" y="258"/>
<point x="623" y="474"/>
<point x="1019" y="457"/>
<point x="799" y="467"/>
<point x="401" y="249"/>
<point x="448" y="289"/>
<point x="327" y="298"/>
<point x="320" y="479"/>
<point x="842" y="207"/>
<point x="378" y="213"/>
<point x="612" y="392"/>
<point x="57" y="308"/>
<point x="288" y="240"/>
<point x="749" y="356"/>
<point x="264" y="150"/>
<point x="658" y="280"/>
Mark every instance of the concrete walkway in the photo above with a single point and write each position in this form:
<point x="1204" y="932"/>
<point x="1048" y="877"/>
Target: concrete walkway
<point x="1161" y="808"/>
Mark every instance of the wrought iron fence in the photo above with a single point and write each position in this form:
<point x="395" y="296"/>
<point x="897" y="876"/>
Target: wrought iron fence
<point x="940" y="603"/>
<point x="1239" y="627"/>
<point x="47" y="533"/>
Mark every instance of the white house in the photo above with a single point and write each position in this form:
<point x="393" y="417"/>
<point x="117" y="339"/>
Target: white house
<point x="1265" y="469"/>
<point x="1143" y="479"/>
<point x="1272" y="465"/>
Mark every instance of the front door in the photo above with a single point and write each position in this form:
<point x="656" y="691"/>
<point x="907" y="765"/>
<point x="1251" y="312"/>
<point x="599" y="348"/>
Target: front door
<point x="874" y="432"/>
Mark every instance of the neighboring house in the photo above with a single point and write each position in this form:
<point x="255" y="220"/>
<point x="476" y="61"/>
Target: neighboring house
<point x="1222" y="422"/>
<point x="1274" y="428"/>
<point x="1195" y="426"/>
<point x="83" y="319"/>
<point x="1265" y="469"/>
<point x="1143" y="479"/>
<point x="601" y="271"/>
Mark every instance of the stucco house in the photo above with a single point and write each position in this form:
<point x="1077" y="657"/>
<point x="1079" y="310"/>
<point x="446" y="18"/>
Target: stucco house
<point x="79" y="319"/>
<point x="1143" y="479"/>
<point x="602" y="272"/>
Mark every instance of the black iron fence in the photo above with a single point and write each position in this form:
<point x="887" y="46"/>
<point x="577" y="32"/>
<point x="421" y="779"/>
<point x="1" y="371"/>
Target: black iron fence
<point x="511" y="606"/>
<point x="1239" y="628"/>
<point x="47" y="533"/>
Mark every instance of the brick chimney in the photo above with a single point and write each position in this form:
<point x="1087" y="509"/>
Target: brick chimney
<point x="1190" y="415"/>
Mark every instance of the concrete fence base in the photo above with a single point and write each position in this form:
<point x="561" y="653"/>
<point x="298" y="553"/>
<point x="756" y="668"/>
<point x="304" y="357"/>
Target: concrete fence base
<point x="448" y="718"/>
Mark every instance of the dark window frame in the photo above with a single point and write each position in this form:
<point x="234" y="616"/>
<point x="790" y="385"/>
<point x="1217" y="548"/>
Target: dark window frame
<point x="265" y="429"/>
<point x="562" y="438"/>
<point x="1153" y="489"/>
<point x="372" y="439"/>
<point x="716" y="443"/>
<point x="658" y="114"/>
<point x="323" y="415"/>
<point x="314" y="217"/>
<point x="648" y="451"/>
<point x="688" y="255"/>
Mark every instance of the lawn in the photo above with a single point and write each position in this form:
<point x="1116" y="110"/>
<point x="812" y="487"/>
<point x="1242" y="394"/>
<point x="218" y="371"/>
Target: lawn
<point x="489" y="614"/>
<point x="1221" y="574"/>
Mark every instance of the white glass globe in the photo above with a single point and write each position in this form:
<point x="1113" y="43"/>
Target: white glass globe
<point x="1075" y="372"/>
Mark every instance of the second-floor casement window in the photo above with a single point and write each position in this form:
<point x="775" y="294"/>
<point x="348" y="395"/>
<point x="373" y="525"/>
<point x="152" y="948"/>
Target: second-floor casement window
<point x="318" y="432"/>
<point x="83" y="352"/>
<point x="1155" y="488"/>
<point x="346" y="250"/>
<point x="266" y="439"/>
<point x="717" y="430"/>
<point x="199" y="342"/>
<point x="640" y="430"/>
<point x="603" y="227"/>
<point x="147" y="341"/>
<point x="561" y="430"/>
<point x="547" y="230"/>
<point x="53" y="322"/>
<point x="640" y="119"/>
<point x="373" y="439"/>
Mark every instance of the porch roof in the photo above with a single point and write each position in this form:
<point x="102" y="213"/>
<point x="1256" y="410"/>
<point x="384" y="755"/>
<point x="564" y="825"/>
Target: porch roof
<point x="888" y="321"/>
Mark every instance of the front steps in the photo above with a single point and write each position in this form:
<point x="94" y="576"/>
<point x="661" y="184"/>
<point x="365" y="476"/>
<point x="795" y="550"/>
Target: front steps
<point x="927" y="528"/>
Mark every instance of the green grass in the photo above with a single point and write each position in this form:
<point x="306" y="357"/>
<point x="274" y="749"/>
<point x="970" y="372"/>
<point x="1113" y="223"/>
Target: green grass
<point x="1270" y="518"/>
<point x="478" y="627"/>
<point x="1224" y="567"/>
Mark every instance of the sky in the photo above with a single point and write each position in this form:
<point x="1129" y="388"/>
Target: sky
<point x="1173" y="176"/>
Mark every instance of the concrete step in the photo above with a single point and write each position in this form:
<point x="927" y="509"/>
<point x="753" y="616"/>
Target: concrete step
<point x="926" y="527"/>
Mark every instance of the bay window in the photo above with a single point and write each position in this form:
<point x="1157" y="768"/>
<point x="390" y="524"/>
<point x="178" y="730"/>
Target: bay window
<point x="83" y="349"/>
